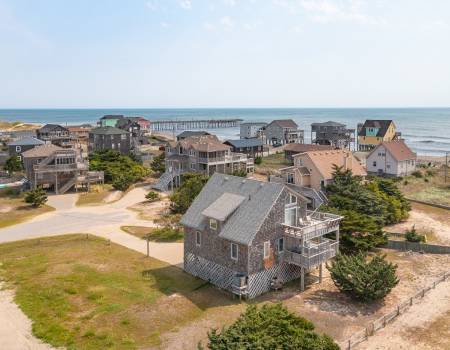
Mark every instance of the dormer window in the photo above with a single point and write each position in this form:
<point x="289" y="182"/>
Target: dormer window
<point x="213" y="224"/>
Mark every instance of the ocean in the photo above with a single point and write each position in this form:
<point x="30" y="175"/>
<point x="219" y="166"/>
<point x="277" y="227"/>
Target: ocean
<point x="426" y="130"/>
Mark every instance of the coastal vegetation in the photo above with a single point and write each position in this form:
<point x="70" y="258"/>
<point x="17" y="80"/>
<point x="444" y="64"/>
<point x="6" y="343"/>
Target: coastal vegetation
<point x="13" y="165"/>
<point x="36" y="197"/>
<point x="269" y="327"/>
<point x="363" y="278"/>
<point x="121" y="171"/>
<point x="366" y="207"/>
<point x="158" y="163"/>
<point x="152" y="196"/>
<point x="182" y="198"/>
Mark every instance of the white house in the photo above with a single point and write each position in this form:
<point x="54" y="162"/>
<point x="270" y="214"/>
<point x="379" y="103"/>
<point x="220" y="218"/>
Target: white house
<point x="392" y="158"/>
<point x="251" y="129"/>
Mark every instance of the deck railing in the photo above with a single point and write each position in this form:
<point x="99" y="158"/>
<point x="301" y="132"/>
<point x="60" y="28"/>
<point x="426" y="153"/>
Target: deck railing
<point x="317" y="224"/>
<point x="314" y="255"/>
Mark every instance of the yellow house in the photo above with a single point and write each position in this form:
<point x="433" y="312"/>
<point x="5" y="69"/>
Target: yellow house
<point x="374" y="132"/>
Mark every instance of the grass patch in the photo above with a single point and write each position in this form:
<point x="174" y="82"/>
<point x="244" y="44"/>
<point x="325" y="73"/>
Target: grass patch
<point x="13" y="210"/>
<point x="96" y="196"/>
<point x="159" y="234"/>
<point x="272" y="163"/>
<point x="86" y="294"/>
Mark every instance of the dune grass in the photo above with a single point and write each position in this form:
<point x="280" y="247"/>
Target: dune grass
<point x="96" y="196"/>
<point x="157" y="234"/>
<point x="13" y="210"/>
<point x="86" y="293"/>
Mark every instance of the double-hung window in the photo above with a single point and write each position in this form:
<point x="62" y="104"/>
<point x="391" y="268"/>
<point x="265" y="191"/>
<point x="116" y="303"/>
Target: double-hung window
<point x="280" y="245"/>
<point x="213" y="224"/>
<point x="266" y="249"/>
<point x="198" y="238"/>
<point x="234" y="251"/>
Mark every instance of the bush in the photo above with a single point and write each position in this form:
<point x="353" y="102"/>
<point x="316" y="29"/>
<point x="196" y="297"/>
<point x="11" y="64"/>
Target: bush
<point x="430" y="172"/>
<point x="412" y="236"/>
<point x="258" y="160"/>
<point x="240" y="172"/>
<point x="158" y="163"/>
<point x="363" y="279"/>
<point x="36" y="197"/>
<point x="269" y="327"/>
<point x="13" y="164"/>
<point x="417" y="174"/>
<point x="182" y="198"/>
<point x="152" y="196"/>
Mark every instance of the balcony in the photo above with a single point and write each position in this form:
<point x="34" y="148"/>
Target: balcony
<point x="312" y="254"/>
<point x="317" y="224"/>
<point x="59" y="167"/>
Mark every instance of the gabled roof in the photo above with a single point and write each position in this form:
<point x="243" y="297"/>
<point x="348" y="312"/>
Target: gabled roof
<point x="325" y="160"/>
<point x="398" y="150"/>
<point x="381" y="125"/>
<point x="51" y="127"/>
<point x="244" y="142"/>
<point x="285" y="123"/>
<point x="41" y="151"/>
<point x="107" y="130"/>
<point x="190" y="133"/>
<point x="112" y="116"/>
<point x="26" y="141"/>
<point x="301" y="147"/>
<point x="245" y="221"/>
<point x="328" y="123"/>
<point x="203" y="143"/>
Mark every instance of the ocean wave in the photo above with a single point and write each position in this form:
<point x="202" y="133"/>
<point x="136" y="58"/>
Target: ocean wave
<point x="410" y="136"/>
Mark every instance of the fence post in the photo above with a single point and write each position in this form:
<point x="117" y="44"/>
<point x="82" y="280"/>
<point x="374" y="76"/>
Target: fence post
<point x="423" y="292"/>
<point x="398" y="310"/>
<point x="349" y="345"/>
<point x="410" y="301"/>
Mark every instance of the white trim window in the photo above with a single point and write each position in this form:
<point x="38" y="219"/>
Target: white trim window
<point x="198" y="238"/>
<point x="266" y="249"/>
<point x="18" y="148"/>
<point x="280" y="245"/>
<point x="234" y="251"/>
<point x="213" y="224"/>
<point x="193" y="166"/>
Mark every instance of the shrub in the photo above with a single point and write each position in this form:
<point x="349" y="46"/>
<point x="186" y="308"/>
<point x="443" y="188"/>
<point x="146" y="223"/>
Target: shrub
<point x="13" y="164"/>
<point x="417" y="174"/>
<point x="36" y="197"/>
<point x="363" y="279"/>
<point x="430" y="172"/>
<point x="258" y="160"/>
<point x="158" y="163"/>
<point x="426" y="180"/>
<point x="412" y="236"/>
<point x="405" y="182"/>
<point x="240" y="172"/>
<point x="152" y="196"/>
<point x="182" y="198"/>
<point x="269" y="327"/>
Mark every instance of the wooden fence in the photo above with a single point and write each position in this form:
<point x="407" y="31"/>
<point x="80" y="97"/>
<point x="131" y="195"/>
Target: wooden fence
<point x="418" y="247"/>
<point x="381" y="322"/>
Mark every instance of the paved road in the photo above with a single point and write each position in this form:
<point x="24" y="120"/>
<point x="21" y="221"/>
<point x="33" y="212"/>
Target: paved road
<point x="103" y="221"/>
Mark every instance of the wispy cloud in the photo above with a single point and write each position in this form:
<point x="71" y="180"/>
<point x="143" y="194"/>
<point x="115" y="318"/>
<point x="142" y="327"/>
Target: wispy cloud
<point x="230" y="3"/>
<point x="227" y="23"/>
<point x="152" y="5"/>
<point x="185" y="4"/>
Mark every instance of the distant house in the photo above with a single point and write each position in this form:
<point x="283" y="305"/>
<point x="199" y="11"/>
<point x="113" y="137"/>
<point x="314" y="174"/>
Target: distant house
<point x="250" y="147"/>
<point x="204" y="154"/>
<point x="333" y="134"/>
<point x="283" y="131"/>
<point x="246" y="236"/>
<point x="55" y="134"/>
<point x="374" y="132"/>
<point x="58" y="169"/>
<point x="110" y="138"/>
<point x="295" y="148"/>
<point x="392" y="158"/>
<point x="16" y="148"/>
<point x="313" y="171"/>
<point x="144" y="124"/>
<point x="250" y="129"/>
<point x="80" y="132"/>
<point x="110" y="120"/>
<point x="188" y="133"/>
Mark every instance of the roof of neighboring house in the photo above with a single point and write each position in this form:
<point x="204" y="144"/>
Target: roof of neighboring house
<point x="300" y="148"/>
<point x="26" y="141"/>
<point x="246" y="219"/>
<point x="140" y="119"/>
<point x="244" y="143"/>
<point x="51" y="127"/>
<point x="285" y="123"/>
<point x="398" y="149"/>
<point x="112" y="116"/>
<point x="41" y="151"/>
<point x="126" y="122"/>
<point x="324" y="161"/>
<point x="203" y="143"/>
<point x="328" y="123"/>
<point x="108" y="130"/>
<point x="190" y="133"/>
<point x="254" y="123"/>
<point x="381" y="125"/>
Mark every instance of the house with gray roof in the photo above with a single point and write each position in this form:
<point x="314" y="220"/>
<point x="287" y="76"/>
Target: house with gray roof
<point x="250" y="147"/>
<point x="248" y="236"/>
<point x="283" y="131"/>
<point x="110" y="138"/>
<point x="17" y="147"/>
<point x="189" y="133"/>
<point x="332" y="133"/>
<point x="250" y="129"/>
<point x="55" y="134"/>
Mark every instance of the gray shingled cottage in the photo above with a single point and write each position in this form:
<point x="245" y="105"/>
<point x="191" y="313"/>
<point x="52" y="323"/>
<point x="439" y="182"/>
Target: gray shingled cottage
<point x="246" y="236"/>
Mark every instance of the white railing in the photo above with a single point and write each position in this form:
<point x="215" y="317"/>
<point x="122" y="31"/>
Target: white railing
<point x="312" y="230"/>
<point x="312" y="256"/>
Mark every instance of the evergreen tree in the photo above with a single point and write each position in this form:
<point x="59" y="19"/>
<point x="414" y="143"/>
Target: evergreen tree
<point x="12" y="165"/>
<point x="182" y="198"/>
<point x="158" y="163"/>
<point x="362" y="278"/>
<point x="36" y="197"/>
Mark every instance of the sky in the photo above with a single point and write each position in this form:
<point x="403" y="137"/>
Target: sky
<point x="224" y="53"/>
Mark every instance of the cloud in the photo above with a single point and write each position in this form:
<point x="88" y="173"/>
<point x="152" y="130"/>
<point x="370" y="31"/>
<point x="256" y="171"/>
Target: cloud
<point x="227" y="23"/>
<point x="209" y="26"/>
<point x="164" y="25"/>
<point x="327" y="11"/>
<point x="185" y="4"/>
<point x="152" y="5"/>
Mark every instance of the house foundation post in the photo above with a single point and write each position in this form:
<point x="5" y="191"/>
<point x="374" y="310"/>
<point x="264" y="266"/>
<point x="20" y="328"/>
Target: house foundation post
<point x="320" y="273"/>
<point x="302" y="279"/>
<point x="337" y="240"/>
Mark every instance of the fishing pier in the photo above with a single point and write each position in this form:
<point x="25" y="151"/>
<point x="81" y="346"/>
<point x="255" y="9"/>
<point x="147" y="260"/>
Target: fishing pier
<point x="166" y="125"/>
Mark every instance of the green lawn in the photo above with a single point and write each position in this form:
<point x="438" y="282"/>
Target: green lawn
<point x="162" y="234"/>
<point x="271" y="163"/>
<point x="96" y="196"/>
<point x="13" y="210"/>
<point x="88" y="294"/>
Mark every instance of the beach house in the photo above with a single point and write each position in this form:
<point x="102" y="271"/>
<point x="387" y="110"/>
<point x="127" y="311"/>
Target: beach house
<point x="295" y="148"/>
<point x="251" y="129"/>
<point x="333" y="134"/>
<point x="110" y="138"/>
<point x="17" y="147"/>
<point x="391" y="158"/>
<point x="248" y="236"/>
<point x="251" y="147"/>
<point x="283" y="131"/>
<point x="110" y="120"/>
<point x="374" y="132"/>
<point x="204" y="154"/>
<point x="55" y="134"/>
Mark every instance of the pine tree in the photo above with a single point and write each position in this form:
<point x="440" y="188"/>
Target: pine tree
<point x="362" y="278"/>
<point x="36" y="197"/>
